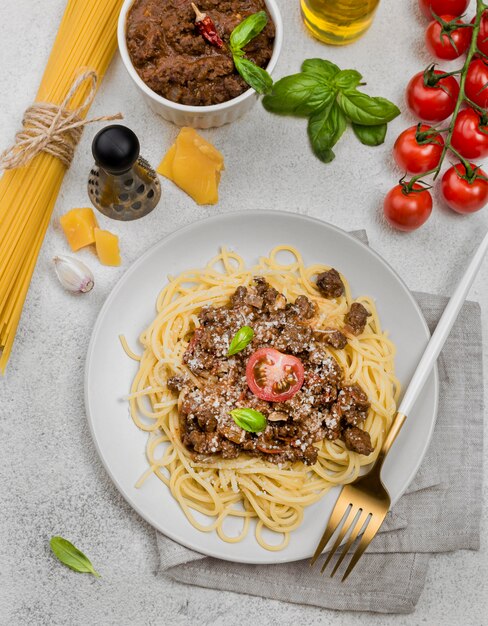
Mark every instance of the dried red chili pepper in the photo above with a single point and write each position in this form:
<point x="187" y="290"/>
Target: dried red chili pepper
<point x="206" y="28"/>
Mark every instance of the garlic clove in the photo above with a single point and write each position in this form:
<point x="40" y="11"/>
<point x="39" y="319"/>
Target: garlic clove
<point x="74" y="275"/>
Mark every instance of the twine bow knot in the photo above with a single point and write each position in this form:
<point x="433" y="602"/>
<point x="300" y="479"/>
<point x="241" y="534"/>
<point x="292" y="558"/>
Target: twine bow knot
<point x="54" y="129"/>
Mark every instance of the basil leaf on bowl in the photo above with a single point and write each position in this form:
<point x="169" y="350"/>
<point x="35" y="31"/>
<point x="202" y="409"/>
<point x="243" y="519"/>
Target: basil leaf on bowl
<point x="70" y="556"/>
<point x="298" y="94"/>
<point x="365" y="110"/>
<point x="325" y="128"/>
<point x="255" y="76"/>
<point x="243" y="33"/>
<point x="247" y="30"/>
<point x="370" y="135"/>
<point x="241" y="340"/>
<point x="249" y="419"/>
<point x="320" y="68"/>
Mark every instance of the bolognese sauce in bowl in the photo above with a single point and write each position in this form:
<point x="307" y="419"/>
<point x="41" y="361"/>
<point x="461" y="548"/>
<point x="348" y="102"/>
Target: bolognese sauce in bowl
<point x="184" y="77"/>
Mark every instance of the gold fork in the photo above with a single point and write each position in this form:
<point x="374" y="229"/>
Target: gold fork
<point x="363" y="504"/>
<point x="368" y="497"/>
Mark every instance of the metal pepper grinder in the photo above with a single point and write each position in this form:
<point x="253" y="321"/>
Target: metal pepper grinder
<point x="122" y="185"/>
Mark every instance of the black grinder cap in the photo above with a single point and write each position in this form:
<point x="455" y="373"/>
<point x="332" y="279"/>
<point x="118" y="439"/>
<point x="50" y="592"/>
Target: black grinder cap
<point x="115" y="149"/>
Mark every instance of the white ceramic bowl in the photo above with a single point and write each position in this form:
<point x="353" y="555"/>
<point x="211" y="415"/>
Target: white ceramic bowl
<point x="198" y="116"/>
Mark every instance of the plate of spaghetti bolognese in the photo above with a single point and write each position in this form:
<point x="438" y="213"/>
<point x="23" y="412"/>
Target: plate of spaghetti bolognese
<point x="246" y="367"/>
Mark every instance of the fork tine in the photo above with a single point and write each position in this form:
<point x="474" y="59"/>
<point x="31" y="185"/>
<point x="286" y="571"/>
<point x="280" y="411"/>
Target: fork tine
<point x="345" y="527"/>
<point x="368" y="535"/>
<point x="352" y="538"/>
<point x="334" y="521"/>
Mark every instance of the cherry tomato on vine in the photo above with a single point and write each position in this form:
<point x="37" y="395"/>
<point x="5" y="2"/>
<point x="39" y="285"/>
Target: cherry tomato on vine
<point x="407" y="210"/>
<point x="470" y="135"/>
<point x="462" y="193"/>
<point x="453" y="7"/>
<point x="446" y="46"/>
<point x="429" y="100"/>
<point x="476" y="86"/>
<point x="482" y="41"/>
<point x="417" y="150"/>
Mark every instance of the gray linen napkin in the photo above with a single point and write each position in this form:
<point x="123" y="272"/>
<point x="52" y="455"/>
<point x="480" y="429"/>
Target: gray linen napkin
<point x="440" y="511"/>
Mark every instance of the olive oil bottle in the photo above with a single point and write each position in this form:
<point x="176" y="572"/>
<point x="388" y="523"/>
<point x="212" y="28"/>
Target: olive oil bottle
<point x="338" y="22"/>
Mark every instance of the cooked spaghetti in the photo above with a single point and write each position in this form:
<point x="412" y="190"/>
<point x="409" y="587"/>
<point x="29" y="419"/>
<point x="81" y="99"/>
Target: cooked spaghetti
<point x="270" y="476"/>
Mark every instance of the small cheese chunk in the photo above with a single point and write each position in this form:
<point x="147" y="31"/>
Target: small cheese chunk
<point x="79" y="226"/>
<point x="194" y="165"/>
<point x="107" y="245"/>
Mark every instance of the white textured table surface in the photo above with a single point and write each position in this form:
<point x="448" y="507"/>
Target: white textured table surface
<point x="43" y="489"/>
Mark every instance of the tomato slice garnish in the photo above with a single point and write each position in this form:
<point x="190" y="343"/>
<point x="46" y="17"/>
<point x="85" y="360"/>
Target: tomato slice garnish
<point x="274" y="376"/>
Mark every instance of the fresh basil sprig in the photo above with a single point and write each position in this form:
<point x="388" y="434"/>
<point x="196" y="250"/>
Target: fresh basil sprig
<point x="298" y="94"/>
<point x="365" y="110"/>
<point x="70" y="556"/>
<point x="249" y="419"/>
<point x="320" y="68"/>
<point x="325" y="128"/>
<point x="330" y="98"/>
<point x="370" y="135"/>
<point x="241" y="340"/>
<point x="255" y="76"/>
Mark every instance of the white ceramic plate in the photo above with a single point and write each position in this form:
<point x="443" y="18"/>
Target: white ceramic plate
<point x="131" y="307"/>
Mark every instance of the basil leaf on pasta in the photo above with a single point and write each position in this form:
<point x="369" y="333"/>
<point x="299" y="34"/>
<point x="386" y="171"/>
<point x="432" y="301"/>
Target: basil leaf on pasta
<point x="249" y="419"/>
<point x="241" y="340"/>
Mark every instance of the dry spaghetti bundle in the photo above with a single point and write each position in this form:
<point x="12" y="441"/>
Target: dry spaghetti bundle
<point x="83" y="49"/>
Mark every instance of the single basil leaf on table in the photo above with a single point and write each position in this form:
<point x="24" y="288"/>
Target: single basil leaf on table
<point x="325" y="128"/>
<point x="241" y="340"/>
<point x="370" y="135"/>
<point x="249" y="419"/>
<point x="365" y="110"/>
<point x="347" y="79"/>
<point x="320" y="68"/>
<point x="70" y="556"/>
<point x="247" y="30"/>
<point x="298" y="94"/>
<point x="255" y="76"/>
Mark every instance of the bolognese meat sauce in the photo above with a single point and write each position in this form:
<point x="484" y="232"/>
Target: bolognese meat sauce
<point x="321" y="404"/>
<point x="173" y="59"/>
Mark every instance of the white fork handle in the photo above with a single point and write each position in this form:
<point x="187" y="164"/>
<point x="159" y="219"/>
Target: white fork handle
<point x="442" y="330"/>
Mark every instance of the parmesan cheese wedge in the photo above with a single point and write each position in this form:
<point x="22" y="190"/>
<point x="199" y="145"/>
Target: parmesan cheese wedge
<point x="195" y="165"/>
<point x="79" y="227"/>
<point x="107" y="245"/>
